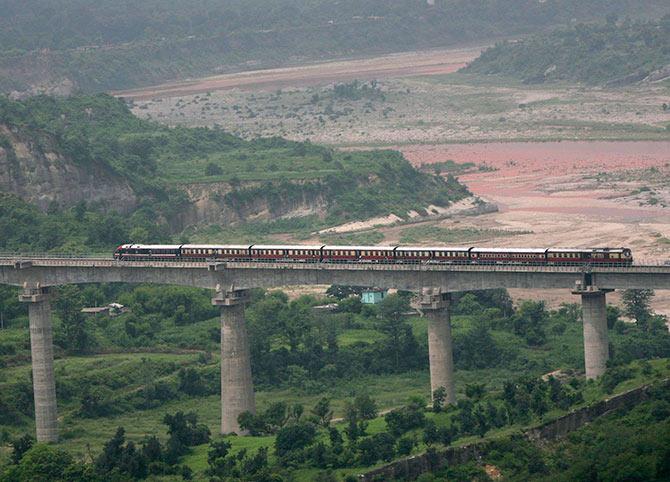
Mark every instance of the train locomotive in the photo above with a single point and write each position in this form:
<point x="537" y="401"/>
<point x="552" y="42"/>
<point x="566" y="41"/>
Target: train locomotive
<point x="375" y="254"/>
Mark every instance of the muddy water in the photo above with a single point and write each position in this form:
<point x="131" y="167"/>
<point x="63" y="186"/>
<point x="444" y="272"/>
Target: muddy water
<point x="529" y="176"/>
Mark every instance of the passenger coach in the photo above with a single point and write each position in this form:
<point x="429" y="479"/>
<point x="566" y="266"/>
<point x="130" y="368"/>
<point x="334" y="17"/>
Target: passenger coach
<point x="375" y="254"/>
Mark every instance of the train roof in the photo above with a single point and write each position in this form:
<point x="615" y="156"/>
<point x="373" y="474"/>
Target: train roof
<point x="585" y="250"/>
<point x="359" y="248"/>
<point x="510" y="250"/>
<point x="152" y="246"/>
<point x="287" y="246"/>
<point x="432" y="248"/>
<point x="216" y="246"/>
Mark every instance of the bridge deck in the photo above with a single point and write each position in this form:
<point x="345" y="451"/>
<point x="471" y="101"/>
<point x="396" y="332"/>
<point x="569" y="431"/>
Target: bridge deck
<point x="421" y="267"/>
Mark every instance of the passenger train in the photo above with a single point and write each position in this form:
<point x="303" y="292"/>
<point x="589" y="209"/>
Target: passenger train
<point x="374" y="254"/>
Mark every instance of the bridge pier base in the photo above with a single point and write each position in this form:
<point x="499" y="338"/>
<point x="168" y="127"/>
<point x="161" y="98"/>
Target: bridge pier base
<point x="42" y="357"/>
<point x="435" y="305"/>
<point x="596" y="343"/>
<point x="237" y="390"/>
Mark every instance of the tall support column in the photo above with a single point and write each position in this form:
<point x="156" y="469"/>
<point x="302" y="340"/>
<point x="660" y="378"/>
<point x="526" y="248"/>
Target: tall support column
<point x="435" y="305"/>
<point x="41" y="349"/>
<point x="237" y="389"/>
<point x="596" y="344"/>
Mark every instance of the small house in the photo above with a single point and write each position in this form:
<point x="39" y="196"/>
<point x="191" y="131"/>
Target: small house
<point x="373" y="296"/>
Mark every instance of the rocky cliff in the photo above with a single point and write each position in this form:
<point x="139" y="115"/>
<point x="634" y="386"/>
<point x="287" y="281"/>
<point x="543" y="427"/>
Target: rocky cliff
<point x="37" y="172"/>
<point x="224" y="203"/>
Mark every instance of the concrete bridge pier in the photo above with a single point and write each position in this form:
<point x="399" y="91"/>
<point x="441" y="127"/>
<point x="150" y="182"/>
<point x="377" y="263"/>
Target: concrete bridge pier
<point x="237" y="389"/>
<point x="435" y="306"/>
<point x="41" y="349"/>
<point x="596" y="343"/>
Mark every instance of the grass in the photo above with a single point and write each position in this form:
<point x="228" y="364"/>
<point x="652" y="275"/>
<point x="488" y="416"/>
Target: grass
<point x="359" y="238"/>
<point x="422" y="234"/>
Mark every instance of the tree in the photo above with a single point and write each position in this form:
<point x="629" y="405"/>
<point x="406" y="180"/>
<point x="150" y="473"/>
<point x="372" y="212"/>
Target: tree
<point x="275" y="416"/>
<point x="379" y="446"/>
<point x="190" y="381"/>
<point x="481" y="422"/>
<point x="392" y="309"/>
<point x="20" y="446"/>
<point x="405" y="446"/>
<point x="475" y="391"/>
<point x="439" y="397"/>
<point x="477" y="349"/>
<point x="468" y="305"/>
<point x="355" y="427"/>
<point x="213" y="169"/>
<point x="613" y="314"/>
<point x="529" y="322"/>
<point x="637" y="306"/>
<point x="73" y="333"/>
<point x="46" y="462"/>
<point x="220" y="464"/>
<point x="296" y="411"/>
<point x="152" y="450"/>
<point x="404" y="419"/>
<point x="294" y="437"/>
<point x="111" y="452"/>
<point x="256" y="463"/>
<point x="323" y="412"/>
<point x="184" y="432"/>
<point x="366" y="407"/>
<point x="430" y="433"/>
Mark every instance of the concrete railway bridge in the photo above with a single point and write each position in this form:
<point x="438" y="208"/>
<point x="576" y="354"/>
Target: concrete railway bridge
<point x="231" y="282"/>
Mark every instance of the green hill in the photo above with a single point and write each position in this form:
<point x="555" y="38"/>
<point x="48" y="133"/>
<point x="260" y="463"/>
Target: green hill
<point x="106" y="44"/>
<point x="91" y="166"/>
<point x="606" y="53"/>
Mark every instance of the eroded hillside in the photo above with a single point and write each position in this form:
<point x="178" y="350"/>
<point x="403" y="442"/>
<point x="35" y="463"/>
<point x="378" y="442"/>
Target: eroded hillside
<point x="91" y="154"/>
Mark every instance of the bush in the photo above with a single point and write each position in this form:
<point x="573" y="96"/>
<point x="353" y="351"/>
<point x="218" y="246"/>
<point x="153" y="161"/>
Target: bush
<point x="404" y="419"/>
<point x="294" y="437"/>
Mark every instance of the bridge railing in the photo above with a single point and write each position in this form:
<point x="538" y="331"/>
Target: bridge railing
<point x="29" y="256"/>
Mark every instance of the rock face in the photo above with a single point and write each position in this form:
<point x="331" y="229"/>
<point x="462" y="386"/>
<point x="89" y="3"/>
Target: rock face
<point x="40" y="175"/>
<point x="220" y="202"/>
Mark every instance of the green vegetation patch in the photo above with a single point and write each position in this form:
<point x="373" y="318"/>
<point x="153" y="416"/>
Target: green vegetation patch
<point x="159" y="162"/>
<point x="422" y="234"/>
<point x="615" y="53"/>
